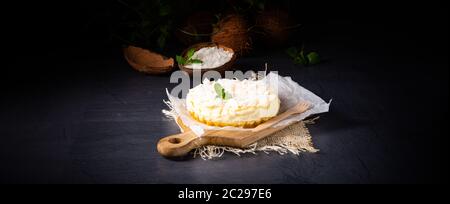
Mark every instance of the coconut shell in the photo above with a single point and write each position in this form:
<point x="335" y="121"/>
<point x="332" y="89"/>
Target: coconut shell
<point x="274" y="24"/>
<point x="197" y="23"/>
<point x="232" y="31"/>
<point x="148" y="62"/>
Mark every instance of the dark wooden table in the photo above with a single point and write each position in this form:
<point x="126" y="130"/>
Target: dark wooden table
<point x="95" y="120"/>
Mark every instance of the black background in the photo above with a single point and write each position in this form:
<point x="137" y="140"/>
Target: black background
<point x="47" y="26"/>
<point x="383" y="58"/>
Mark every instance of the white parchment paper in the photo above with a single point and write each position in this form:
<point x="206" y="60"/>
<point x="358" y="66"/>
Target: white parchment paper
<point x="289" y="92"/>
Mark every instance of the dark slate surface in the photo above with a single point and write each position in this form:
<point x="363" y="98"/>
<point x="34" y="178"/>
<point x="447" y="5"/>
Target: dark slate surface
<point x="95" y="120"/>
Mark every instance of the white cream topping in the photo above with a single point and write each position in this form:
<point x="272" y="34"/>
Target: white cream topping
<point x="250" y="101"/>
<point x="211" y="57"/>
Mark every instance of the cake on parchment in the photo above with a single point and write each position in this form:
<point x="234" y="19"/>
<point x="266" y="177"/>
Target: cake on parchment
<point x="229" y="102"/>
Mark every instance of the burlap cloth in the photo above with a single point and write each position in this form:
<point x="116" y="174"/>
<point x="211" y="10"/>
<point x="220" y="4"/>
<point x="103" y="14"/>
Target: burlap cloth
<point x="294" y="139"/>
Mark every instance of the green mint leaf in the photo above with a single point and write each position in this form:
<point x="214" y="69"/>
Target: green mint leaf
<point x="303" y="59"/>
<point x="219" y="89"/>
<point x="300" y="57"/>
<point x="188" y="58"/>
<point x="221" y="93"/>
<point x="227" y="96"/>
<point x="313" y="58"/>
<point x="195" y="61"/>
<point x="292" y="52"/>
<point x="189" y="54"/>
<point x="180" y="60"/>
<point x="300" y="60"/>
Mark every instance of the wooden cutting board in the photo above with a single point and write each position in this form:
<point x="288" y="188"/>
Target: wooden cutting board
<point x="183" y="143"/>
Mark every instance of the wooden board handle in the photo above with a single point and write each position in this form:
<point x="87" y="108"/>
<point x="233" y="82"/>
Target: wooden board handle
<point x="179" y="144"/>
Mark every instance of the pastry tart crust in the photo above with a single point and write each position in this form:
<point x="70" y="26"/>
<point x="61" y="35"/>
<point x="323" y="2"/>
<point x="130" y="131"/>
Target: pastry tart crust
<point x="243" y="124"/>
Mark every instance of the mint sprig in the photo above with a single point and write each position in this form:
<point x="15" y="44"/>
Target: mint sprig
<point x="299" y="56"/>
<point x="188" y="58"/>
<point x="221" y="93"/>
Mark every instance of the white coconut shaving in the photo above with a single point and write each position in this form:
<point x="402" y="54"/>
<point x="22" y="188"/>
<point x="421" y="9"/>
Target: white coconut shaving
<point x="211" y="57"/>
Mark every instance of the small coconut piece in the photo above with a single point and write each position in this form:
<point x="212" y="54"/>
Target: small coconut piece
<point x="147" y="61"/>
<point x="232" y="31"/>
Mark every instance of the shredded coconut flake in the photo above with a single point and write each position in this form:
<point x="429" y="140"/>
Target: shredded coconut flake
<point x="211" y="57"/>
